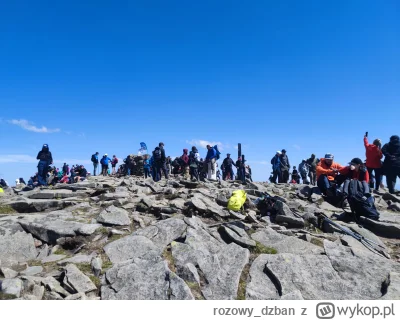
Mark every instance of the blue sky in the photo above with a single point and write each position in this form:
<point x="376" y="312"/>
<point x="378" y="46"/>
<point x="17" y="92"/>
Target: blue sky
<point x="307" y="76"/>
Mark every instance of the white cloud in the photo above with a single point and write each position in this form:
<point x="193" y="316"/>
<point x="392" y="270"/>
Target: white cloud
<point x="26" y="125"/>
<point x="297" y="147"/>
<point x="263" y="162"/>
<point x="204" y="143"/>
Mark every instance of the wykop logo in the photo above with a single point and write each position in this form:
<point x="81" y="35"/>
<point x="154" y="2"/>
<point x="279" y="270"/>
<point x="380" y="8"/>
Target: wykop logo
<point x="325" y="310"/>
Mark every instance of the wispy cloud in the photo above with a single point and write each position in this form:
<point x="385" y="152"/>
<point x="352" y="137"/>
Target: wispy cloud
<point x="204" y="143"/>
<point x="24" y="158"/>
<point x="26" y="125"/>
<point x="297" y="147"/>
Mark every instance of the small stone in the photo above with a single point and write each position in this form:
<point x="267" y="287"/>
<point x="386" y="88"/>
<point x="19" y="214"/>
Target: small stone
<point x="12" y="286"/>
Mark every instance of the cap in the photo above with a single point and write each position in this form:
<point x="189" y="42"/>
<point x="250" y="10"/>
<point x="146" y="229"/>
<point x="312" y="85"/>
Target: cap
<point x="278" y="152"/>
<point x="329" y="156"/>
<point x="106" y="154"/>
<point x="356" y="161"/>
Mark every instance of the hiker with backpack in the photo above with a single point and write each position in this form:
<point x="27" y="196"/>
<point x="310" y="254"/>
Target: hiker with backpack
<point x="163" y="164"/>
<point x="194" y="159"/>
<point x="312" y="165"/>
<point x="303" y="169"/>
<point x="285" y="166"/>
<point x="276" y="167"/>
<point x="95" y="161"/>
<point x="104" y="164"/>
<point x="391" y="165"/>
<point x="45" y="159"/>
<point x="114" y="162"/>
<point x="228" y="170"/>
<point x="157" y="163"/>
<point x="327" y="172"/>
<point x="374" y="155"/>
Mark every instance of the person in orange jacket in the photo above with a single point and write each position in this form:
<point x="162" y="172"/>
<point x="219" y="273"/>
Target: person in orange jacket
<point x="355" y="170"/>
<point x="374" y="164"/>
<point x="327" y="173"/>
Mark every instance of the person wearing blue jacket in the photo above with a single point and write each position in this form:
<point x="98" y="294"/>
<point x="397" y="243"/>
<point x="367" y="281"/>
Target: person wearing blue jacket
<point x="211" y="159"/>
<point x="104" y="164"/>
<point x="147" y="166"/>
<point x="276" y="167"/>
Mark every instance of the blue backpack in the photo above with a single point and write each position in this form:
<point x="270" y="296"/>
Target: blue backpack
<point x="217" y="151"/>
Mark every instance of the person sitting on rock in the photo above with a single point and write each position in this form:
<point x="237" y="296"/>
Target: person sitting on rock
<point x="82" y="173"/>
<point x="295" y="175"/>
<point x="327" y="174"/>
<point x="355" y="170"/>
<point x="64" y="179"/>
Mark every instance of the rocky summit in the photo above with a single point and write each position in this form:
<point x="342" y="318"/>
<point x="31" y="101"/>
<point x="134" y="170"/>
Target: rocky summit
<point x="131" y="238"/>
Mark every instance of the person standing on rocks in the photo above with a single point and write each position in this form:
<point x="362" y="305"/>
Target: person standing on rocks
<point x="146" y="166"/>
<point x="312" y="165"/>
<point x="45" y="160"/>
<point x="157" y="164"/>
<point x="168" y="164"/>
<point x="185" y="163"/>
<point x="163" y="163"/>
<point x="374" y="157"/>
<point x="104" y="164"/>
<point x="95" y="161"/>
<point x="211" y="158"/>
<point x="327" y="172"/>
<point x="114" y="162"/>
<point x="303" y="169"/>
<point x="228" y="170"/>
<point x="276" y="167"/>
<point x="391" y="164"/>
<point x="285" y="167"/>
<point x="194" y="159"/>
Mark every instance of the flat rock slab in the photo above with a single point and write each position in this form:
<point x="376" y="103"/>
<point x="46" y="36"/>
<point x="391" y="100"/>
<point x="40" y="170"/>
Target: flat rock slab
<point x="144" y="280"/>
<point x="8" y="273"/>
<point x="77" y="280"/>
<point x="53" y="258"/>
<point x="114" y="216"/>
<point x="49" y="230"/>
<point x="285" y="244"/>
<point x="220" y="264"/>
<point x="31" y="271"/>
<point x="164" y="232"/>
<point x="384" y="229"/>
<point x="131" y="247"/>
<point x="17" y="247"/>
<point x="79" y="258"/>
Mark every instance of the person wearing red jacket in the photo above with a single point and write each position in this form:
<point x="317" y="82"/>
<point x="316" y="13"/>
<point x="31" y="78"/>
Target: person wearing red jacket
<point x="356" y="170"/>
<point x="327" y="173"/>
<point x="374" y="155"/>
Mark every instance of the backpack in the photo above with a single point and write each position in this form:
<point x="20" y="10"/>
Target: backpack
<point x="192" y="158"/>
<point x="360" y="201"/>
<point x="218" y="153"/>
<point x="93" y="158"/>
<point x="157" y="155"/>
<point x="103" y="161"/>
<point x="115" y="161"/>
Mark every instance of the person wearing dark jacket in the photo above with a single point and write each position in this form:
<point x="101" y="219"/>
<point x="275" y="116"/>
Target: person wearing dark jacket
<point x="95" y="161"/>
<point x="194" y="159"/>
<point x="391" y="164"/>
<point x="276" y="167"/>
<point x="227" y="165"/>
<point x="163" y="164"/>
<point x="285" y="166"/>
<point x="45" y="159"/>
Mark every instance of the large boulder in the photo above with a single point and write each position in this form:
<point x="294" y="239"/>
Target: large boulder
<point x="284" y="214"/>
<point x="74" y="278"/>
<point x="221" y="265"/>
<point x="17" y="247"/>
<point x="143" y="279"/>
<point x="114" y="216"/>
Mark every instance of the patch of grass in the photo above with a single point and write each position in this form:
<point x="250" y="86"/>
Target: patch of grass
<point x="318" y="242"/>
<point x="115" y="237"/>
<point x="102" y="230"/>
<point x="241" y="293"/>
<point x="261" y="249"/>
<point x="7" y="210"/>
<point x="195" y="289"/>
<point x="167" y="255"/>
<point x="6" y="296"/>
<point x="61" y="251"/>
<point x="107" y="265"/>
<point x="84" y="267"/>
<point x="251" y="231"/>
<point x="96" y="281"/>
<point x="34" y="263"/>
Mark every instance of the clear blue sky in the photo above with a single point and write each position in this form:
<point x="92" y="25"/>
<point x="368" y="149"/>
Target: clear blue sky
<point x="307" y="76"/>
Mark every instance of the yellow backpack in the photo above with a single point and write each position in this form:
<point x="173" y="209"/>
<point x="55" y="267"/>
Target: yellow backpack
<point x="237" y="200"/>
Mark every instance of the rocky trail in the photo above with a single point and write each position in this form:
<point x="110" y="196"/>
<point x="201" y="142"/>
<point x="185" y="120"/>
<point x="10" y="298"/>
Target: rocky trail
<point x="130" y="238"/>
